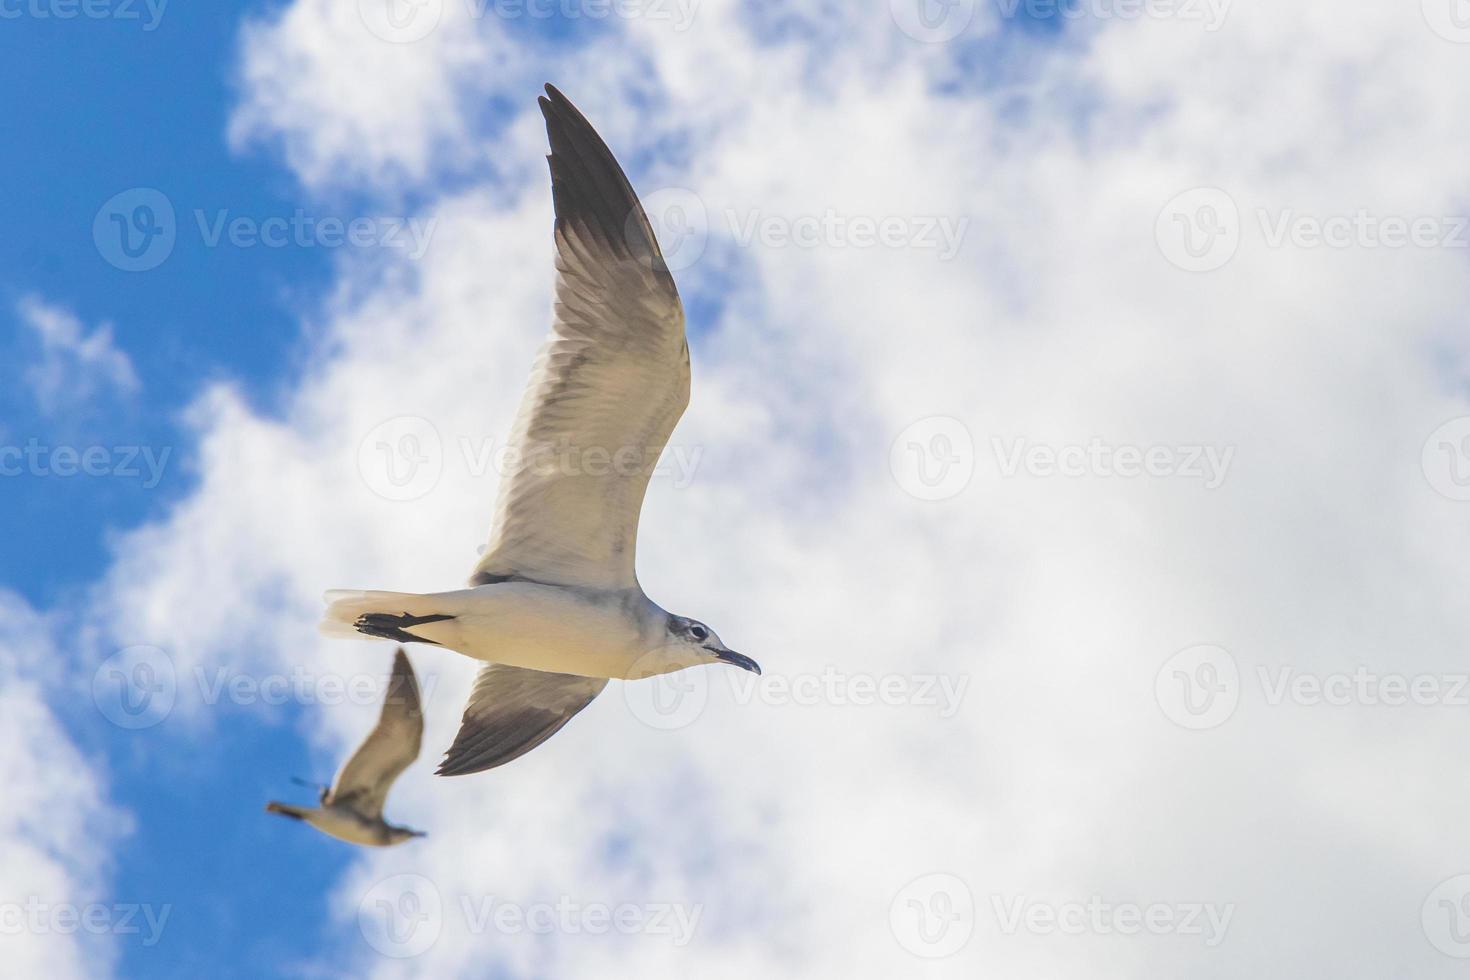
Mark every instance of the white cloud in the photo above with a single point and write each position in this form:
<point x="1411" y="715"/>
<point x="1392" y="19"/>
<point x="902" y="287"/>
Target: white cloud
<point x="73" y="367"/>
<point x="348" y="106"/>
<point x="56" y="828"/>
<point x="1058" y="599"/>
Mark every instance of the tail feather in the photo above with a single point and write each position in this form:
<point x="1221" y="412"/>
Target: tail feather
<point x="286" y="810"/>
<point x="386" y="615"/>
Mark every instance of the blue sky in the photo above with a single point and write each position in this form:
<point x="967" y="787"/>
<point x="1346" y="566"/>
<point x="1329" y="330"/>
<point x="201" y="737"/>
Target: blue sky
<point x="97" y="108"/>
<point x="1064" y="316"/>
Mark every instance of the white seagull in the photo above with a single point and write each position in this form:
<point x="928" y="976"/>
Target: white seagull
<point x="554" y="607"/>
<point x="352" y="807"/>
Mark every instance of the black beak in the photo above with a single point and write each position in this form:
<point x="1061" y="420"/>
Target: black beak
<point x="738" y="659"/>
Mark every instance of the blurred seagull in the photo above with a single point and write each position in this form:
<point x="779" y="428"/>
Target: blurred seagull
<point x="554" y="606"/>
<point x="352" y="807"/>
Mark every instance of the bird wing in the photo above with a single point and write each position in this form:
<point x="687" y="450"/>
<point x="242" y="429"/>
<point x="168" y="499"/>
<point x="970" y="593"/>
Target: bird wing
<point x="511" y="711"/>
<point x="365" y="778"/>
<point x="607" y="389"/>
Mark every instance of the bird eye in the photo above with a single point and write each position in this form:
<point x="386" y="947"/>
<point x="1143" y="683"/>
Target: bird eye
<point x="698" y="632"/>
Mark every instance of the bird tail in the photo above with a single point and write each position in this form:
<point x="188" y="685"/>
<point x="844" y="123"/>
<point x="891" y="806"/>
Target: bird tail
<point x="386" y="615"/>
<point x="286" y="810"/>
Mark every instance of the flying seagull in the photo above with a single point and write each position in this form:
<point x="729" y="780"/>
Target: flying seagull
<point x="352" y="807"/>
<point x="554" y="607"/>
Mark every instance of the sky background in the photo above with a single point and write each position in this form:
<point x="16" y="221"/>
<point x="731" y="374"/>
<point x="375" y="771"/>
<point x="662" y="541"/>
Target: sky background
<point x="1080" y="440"/>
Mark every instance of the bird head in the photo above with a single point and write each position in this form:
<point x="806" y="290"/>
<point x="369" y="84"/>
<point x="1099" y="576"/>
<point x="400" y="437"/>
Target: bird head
<point x="688" y="643"/>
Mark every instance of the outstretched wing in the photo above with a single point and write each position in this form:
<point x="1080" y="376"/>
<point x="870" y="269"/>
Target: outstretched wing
<point x="511" y="711"/>
<point x="608" y="387"/>
<point x="365" y="778"/>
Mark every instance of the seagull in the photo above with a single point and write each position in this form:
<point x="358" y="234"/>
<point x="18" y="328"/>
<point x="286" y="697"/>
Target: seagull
<point x="554" y="607"/>
<point x="352" y="807"/>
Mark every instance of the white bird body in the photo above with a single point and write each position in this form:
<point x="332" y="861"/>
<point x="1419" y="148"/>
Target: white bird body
<point x="605" y="633"/>
<point x="554" y="608"/>
<point x="351" y="809"/>
<point x="344" y="823"/>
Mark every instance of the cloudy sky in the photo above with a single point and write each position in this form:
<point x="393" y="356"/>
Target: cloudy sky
<point x="1080" y="440"/>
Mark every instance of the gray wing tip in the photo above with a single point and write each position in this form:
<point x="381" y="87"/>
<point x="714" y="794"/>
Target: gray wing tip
<point x="589" y="188"/>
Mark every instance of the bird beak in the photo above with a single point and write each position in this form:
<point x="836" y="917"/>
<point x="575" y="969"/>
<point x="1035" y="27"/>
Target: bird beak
<point x="738" y="659"/>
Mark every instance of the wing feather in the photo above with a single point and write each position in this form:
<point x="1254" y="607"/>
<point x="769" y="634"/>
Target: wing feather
<point x="365" y="778"/>
<point x="511" y="711"/>
<point x="608" y="386"/>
